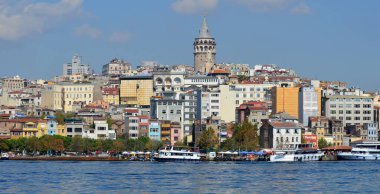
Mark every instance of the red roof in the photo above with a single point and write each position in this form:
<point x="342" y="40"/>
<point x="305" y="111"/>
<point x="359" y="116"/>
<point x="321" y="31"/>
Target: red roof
<point x="131" y="110"/>
<point x="333" y="148"/>
<point x="111" y="91"/>
<point x="219" y="71"/>
<point x="277" y="124"/>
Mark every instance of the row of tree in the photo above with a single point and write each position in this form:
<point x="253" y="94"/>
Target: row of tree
<point x="55" y="145"/>
<point x="244" y="137"/>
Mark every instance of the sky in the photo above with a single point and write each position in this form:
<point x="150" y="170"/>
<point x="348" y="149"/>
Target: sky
<point x="319" y="39"/>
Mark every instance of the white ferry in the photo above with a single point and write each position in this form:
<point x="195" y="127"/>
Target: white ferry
<point x="176" y="153"/>
<point x="4" y="156"/>
<point x="302" y="153"/>
<point x="362" y="151"/>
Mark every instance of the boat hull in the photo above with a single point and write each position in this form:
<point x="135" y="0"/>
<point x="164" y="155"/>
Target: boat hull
<point x="349" y="156"/>
<point x="176" y="160"/>
<point x="295" y="158"/>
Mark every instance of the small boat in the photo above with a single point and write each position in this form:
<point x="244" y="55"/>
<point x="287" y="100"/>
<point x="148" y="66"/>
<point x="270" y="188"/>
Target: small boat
<point x="362" y="151"/>
<point x="303" y="152"/>
<point x="4" y="156"/>
<point x="177" y="153"/>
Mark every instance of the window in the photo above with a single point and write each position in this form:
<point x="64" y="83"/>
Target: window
<point x="341" y="112"/>
<point x="101" y="128"/>
<point x="357" y="111"/>
<point x="287" y="130"/>
<point x="348" y="112"/>
<point x="237" y="95"/>
<point x="332" y="105"/>
<point x="348" y="118"/>
<point x="171" y="111"/>
<point x="237" y="102"/>
<point x="214" y="101"/>
<point x="356" y="105"/>
<point x="176" y="131"/>
<point x="178" y="111"/>
<point x="333" y="112"/>
<point x="69" y="130"/>
<point x="366" y="105"/>
<point x="357" y="118"/>
<point x="340" y="105"/>
<point x="78" y="130"/>
<point x="163" y="111"/>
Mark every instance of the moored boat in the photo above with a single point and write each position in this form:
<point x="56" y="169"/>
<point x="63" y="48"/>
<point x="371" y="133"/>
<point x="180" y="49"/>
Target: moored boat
<point x="301" y="153"/>
<point x="177" y="153"/>
<point x="4" y="156"/>
<point x="362" y="151"/>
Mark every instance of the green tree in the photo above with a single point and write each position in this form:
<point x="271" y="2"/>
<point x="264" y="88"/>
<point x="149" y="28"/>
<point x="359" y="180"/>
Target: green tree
<point x="61" y="116"/>
<point x="208" y="140"/>
<point x="228" y="144"/>
<point x="66" y="141"/>
<point x="245" y="136"/>
<point x="32" y="145"/>
<point x="76" y="144"/>
<point x="322" y="143"/>
<point x="118" y="146"/>
<point x="154" y="145"/>
<point x="4" y="146"/>
<point x="47" y="143"/>
<point x="59" y="145"/>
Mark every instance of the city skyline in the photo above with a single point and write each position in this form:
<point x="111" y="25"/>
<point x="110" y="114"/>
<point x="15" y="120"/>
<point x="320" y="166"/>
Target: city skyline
<point x="317" y="41"/>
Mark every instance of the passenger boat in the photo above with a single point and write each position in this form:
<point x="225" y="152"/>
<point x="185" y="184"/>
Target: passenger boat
<point x="4" y="156"/>
<point x="362" y="151"/>
<point x="177" y="153"/>
<point x="302" y="153"/>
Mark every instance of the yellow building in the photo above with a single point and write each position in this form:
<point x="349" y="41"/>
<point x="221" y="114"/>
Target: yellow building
<point x="136" y="90"/>
<point x="285" y="99"/>
<point x="320" y="132"/>
<point x="111" y="95"/>
<point x="34" y="129"/>
<point x="61" y="130"/>
<point x="64" y="95"/>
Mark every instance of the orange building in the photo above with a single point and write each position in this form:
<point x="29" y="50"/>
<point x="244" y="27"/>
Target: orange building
<point x="285" y="99"/>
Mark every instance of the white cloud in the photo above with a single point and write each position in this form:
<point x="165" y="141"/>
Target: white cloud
<point x="61" y="8"/>
<point x="194" y="6"/>
<point x="88" y="31"/>
<point x="119" y="37"/>
<point x="301" y="9"/>
<point x="20" y="19"/>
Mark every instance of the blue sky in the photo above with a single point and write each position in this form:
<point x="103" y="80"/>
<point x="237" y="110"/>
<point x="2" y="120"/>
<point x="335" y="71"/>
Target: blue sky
<point x="324" y="39"/>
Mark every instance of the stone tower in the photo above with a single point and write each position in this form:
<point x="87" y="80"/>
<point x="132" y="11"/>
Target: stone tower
<point x="204" y="50"/>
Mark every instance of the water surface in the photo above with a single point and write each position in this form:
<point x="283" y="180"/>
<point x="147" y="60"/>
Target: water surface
<point x="201" y="177"/>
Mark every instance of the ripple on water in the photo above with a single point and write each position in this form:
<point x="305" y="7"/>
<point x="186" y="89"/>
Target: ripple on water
<point x="208" y="177"/>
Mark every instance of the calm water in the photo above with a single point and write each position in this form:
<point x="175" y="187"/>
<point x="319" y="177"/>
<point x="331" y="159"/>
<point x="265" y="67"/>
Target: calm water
<point x="203" y="177"/>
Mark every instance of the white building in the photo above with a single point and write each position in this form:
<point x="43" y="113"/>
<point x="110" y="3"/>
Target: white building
<point x="76" y="67"/>
<point x="351" y="110"/>
<point x="280" y="134"/>
<point x="210" y="103"/>
<point x="231" y="96"/>
<point x="205" y="81"/>
<point x="116" y="67"/>
<point x="101" y="131"/>
<point x="308" y="104"/>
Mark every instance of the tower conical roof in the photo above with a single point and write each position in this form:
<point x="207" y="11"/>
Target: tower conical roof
<point x="204" y="32"/>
